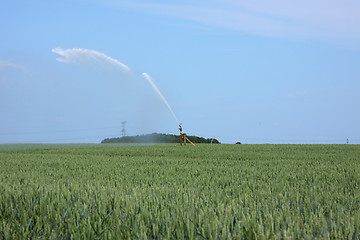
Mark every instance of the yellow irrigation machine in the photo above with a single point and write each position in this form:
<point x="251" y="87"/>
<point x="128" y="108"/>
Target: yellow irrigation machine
<point x="183" y="137"/>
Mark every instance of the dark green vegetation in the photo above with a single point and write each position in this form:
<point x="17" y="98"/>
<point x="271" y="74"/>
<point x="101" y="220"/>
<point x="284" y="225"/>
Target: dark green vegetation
<point x="157" y="138"/>
<point x="173" y="192"/>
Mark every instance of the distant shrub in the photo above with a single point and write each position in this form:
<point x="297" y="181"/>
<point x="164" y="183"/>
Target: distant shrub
<point x="157" y="138"/>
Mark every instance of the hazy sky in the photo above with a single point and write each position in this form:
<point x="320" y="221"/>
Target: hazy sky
<point x="251" y="71"/>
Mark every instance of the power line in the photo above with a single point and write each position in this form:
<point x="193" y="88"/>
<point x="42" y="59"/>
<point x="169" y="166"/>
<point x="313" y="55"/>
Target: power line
<point x="60" y="131"/>
<point x="232" y="138"/>
<point x="66" y="139"/>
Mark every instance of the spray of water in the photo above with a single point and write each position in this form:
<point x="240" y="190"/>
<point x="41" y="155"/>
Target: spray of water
<point x="76" y="55"/>
<point x="148" y="78"/>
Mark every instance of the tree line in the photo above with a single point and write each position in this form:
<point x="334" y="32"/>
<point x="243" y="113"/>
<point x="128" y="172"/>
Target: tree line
<point x="157" y="138"/>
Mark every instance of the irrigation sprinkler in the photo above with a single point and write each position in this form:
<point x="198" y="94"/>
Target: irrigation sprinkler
<point x="183" y="137"/>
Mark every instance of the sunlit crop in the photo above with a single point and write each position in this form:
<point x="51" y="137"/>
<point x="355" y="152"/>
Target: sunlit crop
<point x="169" y="192"/>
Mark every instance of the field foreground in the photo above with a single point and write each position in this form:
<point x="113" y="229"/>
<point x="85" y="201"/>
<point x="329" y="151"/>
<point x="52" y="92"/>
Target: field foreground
<point x="169" y="192"/>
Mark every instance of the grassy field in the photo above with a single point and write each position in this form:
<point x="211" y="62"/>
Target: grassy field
<point x="169" y="192"/>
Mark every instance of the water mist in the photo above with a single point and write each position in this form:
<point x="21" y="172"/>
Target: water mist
<point x="80" y="55"/>
<point x="148" y="78"/>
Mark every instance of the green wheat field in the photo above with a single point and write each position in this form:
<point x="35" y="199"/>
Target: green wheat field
<point x="109" y="191"/>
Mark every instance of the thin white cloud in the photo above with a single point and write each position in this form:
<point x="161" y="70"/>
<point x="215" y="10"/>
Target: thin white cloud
<point x="80" y="55"/>
<point x="7" y="64"/>
<point x="327" y="20"/>
<point x="301" y="93"/>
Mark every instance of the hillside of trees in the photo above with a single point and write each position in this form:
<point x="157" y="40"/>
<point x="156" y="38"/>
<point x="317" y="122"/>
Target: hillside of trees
<point x="157" y="138"/>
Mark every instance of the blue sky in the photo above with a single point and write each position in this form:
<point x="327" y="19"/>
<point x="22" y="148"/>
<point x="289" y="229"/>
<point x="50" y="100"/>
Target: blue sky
<point x="254" y="71"/>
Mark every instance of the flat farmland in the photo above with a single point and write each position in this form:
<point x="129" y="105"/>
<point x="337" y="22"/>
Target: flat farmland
<point x="165" y="191"/>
